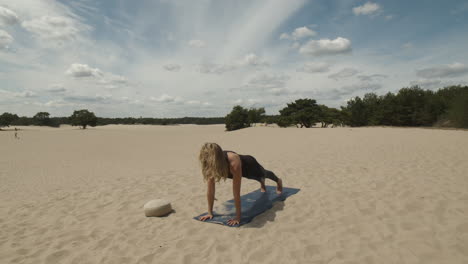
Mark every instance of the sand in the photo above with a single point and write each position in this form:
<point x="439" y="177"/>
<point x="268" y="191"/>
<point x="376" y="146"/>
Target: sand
<point x="368" y="195"/>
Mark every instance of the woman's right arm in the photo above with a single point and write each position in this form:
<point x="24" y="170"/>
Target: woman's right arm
<point x="210" y="195"/>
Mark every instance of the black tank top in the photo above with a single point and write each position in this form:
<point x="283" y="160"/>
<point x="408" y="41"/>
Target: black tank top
<point x="250" y="167"/>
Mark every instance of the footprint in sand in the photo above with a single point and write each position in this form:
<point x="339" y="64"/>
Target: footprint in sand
<point x="57" y="256"/>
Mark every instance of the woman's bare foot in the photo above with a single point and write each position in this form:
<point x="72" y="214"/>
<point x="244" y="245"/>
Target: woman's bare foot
<point x="262" y="185"/>
<point x="279" y="186"/>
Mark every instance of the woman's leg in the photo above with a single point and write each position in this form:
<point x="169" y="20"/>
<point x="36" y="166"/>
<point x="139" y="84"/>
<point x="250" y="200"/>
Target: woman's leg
<point x="271" y="175"/>
<point x="253" y="170"/>
<point x="262" y="184"/>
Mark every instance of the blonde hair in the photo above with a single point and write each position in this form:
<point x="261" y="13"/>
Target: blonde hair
<point x="213" y="162"/>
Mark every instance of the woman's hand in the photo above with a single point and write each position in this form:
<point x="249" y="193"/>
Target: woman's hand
<point x="206" y="217"/>
<point x="233" y="222"/>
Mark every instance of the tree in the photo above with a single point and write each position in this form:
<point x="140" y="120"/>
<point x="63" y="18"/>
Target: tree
<point x="270" y="120"/>
<point x="255" y="115"/>
<point x="42" y="119"/>
<point x="372" y="109"/>
<point x="83" y="118"/>
<point x="237" y="119"/>
<point x="412" y="102"/>
<point x="458" y="111"/>
<point x="283" y="121"/>
<point x="304" y="112"/>
<point x="330" y="116"/>
<point x="7" y="118"/>
<point x="356" y="112"/>
<point x="388" y="110"/>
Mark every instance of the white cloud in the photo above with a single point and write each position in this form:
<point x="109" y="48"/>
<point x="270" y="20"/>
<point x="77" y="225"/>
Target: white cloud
<point x="26" y="94"/>
<point x="53" y="28"/>
<point x="303" y="32"/>
<point x="95" y="76"/>
<point x="337" y="94"/>
<point x="368" y="8"/>
<point x="196" y="43"/>
<point x="253" y="25"/>
<point x="268" y="81"/>
<point x="56" y="88"/>
<point x="252" y="60"/>
<point x="343" y="74"/>
<point x="436" y="84"/>
<point x="8" y="17"/>
<point x="118" y="79"/>
<point x="265" y="84"/>
<point x="372" y="77"/>
<point x="23" y="94"/>
<point x="5" y="95"/>
<point x="57" y="103"/>
<point x="238" y="101"/>
<point x="389" y="17"/>
<point x="295" y="45"/>
<point x="166" y="99"/>
<point x="299" y="33"/>
<point x="407" y="45"/>
<point x="426" y="83"/>
<point x="444" y="71"/>
<point x="315" y="67"/>
<point x="193" y="102"/>
<point x="197" y="103"/>
<point x="247" y="102"/>
<point x="324" y="47"/>
<point x="285" y="36"/>
<point x="362" y="87"/>
<point x="279" y="91"/>
<point x="83" y="70"/>
<point x="211" y="68"/>
<point x="5" y="39"/>
<point x="172" y="67"/>
<point x="132" y="101"/>
<point x="111" y="81"/>
<point x="89" y="99"/>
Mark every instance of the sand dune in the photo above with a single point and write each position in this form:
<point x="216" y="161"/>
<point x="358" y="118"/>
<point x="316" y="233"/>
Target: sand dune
<point x="368" y="195"/>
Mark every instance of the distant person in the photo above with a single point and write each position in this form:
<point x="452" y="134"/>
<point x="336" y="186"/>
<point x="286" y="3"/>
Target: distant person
<point x="218" y="164"/>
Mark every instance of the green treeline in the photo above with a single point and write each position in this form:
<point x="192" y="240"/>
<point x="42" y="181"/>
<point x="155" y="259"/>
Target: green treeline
<point x="446" y="107"/>
<point x="43" y="119"/>
<point x="161" y="121"/>
<point x="410" y="107"/>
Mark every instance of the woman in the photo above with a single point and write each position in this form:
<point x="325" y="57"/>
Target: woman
<point x="217" y="164"/>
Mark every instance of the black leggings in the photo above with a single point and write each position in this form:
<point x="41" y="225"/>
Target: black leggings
<point x="270" y="175"/>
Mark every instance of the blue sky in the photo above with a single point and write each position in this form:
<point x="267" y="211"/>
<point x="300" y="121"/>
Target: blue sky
<point x="175" y="58"/>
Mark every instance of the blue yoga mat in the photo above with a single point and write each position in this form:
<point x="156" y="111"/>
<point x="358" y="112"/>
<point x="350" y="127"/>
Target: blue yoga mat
<point x="253" y="204"/>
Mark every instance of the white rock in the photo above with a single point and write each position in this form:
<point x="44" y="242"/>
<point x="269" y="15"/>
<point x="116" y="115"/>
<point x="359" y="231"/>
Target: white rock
<point x="158" y="207"/>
